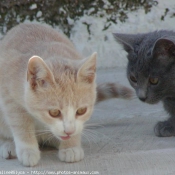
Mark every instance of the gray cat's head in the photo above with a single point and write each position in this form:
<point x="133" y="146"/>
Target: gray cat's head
<point x="151" y="64"/>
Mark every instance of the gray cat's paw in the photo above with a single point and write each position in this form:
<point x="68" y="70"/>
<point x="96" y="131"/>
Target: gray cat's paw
<point x="164" y="129"/>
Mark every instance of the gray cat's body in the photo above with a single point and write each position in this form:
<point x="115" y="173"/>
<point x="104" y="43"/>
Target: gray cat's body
<point x="151" y="71"/>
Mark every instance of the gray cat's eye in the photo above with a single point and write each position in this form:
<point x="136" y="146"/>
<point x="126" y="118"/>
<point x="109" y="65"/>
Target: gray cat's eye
<point x="132" y="78"/>
<point x="154" y="80"/>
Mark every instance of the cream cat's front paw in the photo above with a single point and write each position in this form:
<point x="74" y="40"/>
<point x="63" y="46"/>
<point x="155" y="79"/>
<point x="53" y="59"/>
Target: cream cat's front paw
<point x="28" y="156"/>
<point x="74" y="154"/>
<point x="7" y="150"/>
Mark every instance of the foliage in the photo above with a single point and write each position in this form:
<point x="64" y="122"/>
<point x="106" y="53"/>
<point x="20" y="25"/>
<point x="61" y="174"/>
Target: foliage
<point x="61" y="12"/>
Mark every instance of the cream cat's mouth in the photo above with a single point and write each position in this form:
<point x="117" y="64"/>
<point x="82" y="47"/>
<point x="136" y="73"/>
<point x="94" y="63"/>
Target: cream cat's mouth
<point x="65" y="137"/>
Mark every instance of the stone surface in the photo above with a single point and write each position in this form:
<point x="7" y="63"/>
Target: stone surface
<point x="119" y="140"/>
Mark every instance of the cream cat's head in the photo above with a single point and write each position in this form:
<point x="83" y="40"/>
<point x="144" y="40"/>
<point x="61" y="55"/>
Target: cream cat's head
<point x="61" y="95"/>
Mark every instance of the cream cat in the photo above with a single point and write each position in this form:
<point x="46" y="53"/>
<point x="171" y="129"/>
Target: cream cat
<point x="44" y="96"/>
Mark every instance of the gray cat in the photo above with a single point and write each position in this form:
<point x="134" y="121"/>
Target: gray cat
<point x="151" y="71"/>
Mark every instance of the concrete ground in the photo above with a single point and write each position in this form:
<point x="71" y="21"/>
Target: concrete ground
<point x="121" y="143"/>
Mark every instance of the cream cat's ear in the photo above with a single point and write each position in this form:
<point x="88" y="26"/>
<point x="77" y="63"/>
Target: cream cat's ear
<point x="38" y="73"/>
<point x="87" y="70"/>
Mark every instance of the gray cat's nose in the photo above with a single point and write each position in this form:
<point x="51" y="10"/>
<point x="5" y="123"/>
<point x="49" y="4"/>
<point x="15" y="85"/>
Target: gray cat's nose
<point x="142" y="99"/>
<point x="142" y="95"/>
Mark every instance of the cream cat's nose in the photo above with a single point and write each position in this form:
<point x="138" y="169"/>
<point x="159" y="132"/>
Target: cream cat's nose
<point x="70" y="132"/>
<point x="69" y="127"/>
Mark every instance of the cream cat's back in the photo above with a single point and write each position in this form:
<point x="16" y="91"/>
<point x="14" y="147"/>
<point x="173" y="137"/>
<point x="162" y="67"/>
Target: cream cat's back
<point x="35" y="39"/>
<point x="30" y="33"/>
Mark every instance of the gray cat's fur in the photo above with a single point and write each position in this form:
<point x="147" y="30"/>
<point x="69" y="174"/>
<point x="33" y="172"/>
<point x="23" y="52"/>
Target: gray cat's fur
<point x="151" y="57"/>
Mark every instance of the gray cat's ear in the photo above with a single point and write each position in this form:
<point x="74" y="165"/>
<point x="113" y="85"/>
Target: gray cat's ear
<point x="38" y="73"/>
<point x="87" y="70"/>
<point x="163" y="47"/>
<point x="129" y="41"/>
<point x="126" y="40"/>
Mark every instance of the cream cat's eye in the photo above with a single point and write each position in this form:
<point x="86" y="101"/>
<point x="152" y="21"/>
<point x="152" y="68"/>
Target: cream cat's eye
<point x="81" y="111"/>
<point x="154" y="81"/>
<point x="55" y="113"/>
<point x="133" y="78"/>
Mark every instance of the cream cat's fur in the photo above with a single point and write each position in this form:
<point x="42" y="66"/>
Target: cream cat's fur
<point x="46" y="98"/>
<point x="57" y="79"/>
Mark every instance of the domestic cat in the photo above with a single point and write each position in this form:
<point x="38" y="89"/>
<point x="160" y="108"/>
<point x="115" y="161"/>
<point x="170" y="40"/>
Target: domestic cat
<point x="47" y="93"/>
<point x="151" y="71"/>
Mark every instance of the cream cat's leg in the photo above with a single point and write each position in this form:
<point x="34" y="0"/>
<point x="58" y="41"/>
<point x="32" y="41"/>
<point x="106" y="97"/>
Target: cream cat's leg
<point x="22" y="127"/>
<point x="7" y="148"/>
<point x="71" y="150"/>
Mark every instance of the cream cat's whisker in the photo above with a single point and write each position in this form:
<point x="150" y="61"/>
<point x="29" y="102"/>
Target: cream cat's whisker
<point x="93" y="125"/>
<point x="97" y="133"/>
<point x="91" y="134"/>
<point x="90" y="139"/>
<point x="39" y="131"/>
<point x="41" y="134"/>
<point x="87" y="138"/>
<point x="50" y="137"/>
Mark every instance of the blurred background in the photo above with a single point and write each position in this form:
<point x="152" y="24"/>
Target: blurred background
<point x="90" y="23"/>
